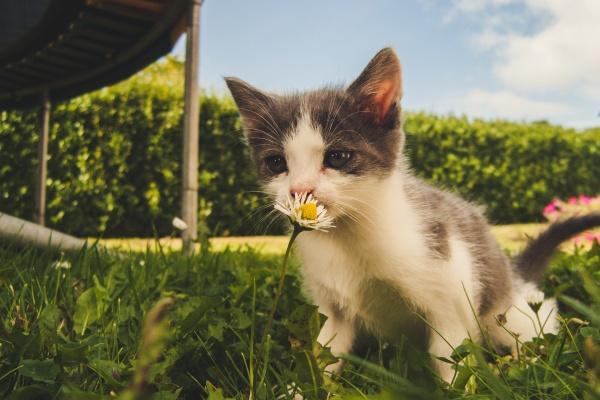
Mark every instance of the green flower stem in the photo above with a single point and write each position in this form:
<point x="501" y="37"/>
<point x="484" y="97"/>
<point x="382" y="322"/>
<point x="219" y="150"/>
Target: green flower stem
<point x="295" y="233"/>
<point x="537" y="316"/>
<point x="263" y="348"/>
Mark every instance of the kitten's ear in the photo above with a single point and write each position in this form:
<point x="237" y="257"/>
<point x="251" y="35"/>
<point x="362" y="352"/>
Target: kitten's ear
<point x="379" y="86"/>
<point x="251" y="102"/>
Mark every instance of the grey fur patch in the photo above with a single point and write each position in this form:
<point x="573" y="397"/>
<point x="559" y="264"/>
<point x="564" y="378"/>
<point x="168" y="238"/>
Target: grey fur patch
<point x="348" y="119"/>
<point x="492" y="268"/>
<point x="344" y="125"/>
<point x="268" y="120"/>
<point x="437" y="232"/>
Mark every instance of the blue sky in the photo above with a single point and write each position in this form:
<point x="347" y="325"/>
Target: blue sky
<point x="514" y="59"/>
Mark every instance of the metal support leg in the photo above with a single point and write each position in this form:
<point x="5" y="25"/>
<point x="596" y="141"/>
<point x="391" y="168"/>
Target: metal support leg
<point x="191" y="122"/>
<point x="40" y="192"/>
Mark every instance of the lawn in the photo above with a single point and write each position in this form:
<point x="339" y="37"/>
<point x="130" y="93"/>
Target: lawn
<point x="73" y="327"/>
<point x="511" y="237"/>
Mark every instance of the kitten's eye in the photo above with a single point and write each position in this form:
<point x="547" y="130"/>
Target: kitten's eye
<point x="337" y="159"/>
<point x="276" y="164"/>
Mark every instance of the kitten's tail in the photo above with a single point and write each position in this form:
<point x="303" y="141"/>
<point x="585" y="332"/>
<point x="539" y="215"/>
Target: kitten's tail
<point x="532" y="262"/>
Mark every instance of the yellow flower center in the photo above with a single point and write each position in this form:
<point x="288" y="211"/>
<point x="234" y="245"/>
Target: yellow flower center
<point x="309" y="211"/>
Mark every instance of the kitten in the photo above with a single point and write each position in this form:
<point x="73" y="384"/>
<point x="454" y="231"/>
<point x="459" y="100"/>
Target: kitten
<point x="402" y="251"/>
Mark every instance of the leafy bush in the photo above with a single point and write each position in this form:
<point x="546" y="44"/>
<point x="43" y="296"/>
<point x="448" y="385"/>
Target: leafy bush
<point x="114" y="166"/>
<point x="513" y="169"/>
<point x="115" y="161"/>
<point x="75" y="329"/>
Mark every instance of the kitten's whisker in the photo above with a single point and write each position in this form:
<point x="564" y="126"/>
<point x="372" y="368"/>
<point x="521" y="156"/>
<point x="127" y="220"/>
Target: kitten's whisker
<point x="366" y="229"/>
<point x="248" y="217"/>
<point x="268" y="112"/>
<point x="265" y="136"/>
<point x="340" y="104"/>
<point x="354" y="211"/>
<point x="275" y="216"/>
<point x="347" y="117"/>
<point x="329" y="110"/>
<point x="259" y="210"/>
<point x="358" y="217"/>
<point x="271" y="122"/>
<point x="332" y="116"/>
<point x="262" y="225"/>
<point x="261" y="192"/>
<point x="364" y="217"/>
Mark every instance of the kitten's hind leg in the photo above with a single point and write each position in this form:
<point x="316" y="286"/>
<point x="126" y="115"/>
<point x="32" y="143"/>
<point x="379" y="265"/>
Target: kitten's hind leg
<point x="338" y="333"/>
<point x="525" y="316"/>
<point x="448" y="332"/>
<point x="443" y="342"/>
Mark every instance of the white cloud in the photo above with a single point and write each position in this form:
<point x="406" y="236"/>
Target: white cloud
<point x="470" y="5"/>
<point x="479" y="5"/>
<point x="563" y="55"/>
<point x="504" y="104"/>
<point x="488" y="39"/>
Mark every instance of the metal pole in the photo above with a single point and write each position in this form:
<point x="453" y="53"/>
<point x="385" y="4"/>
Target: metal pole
<point x="40" y="189"/>
<point x="191" y="122"/>
<point x="30" y="234"/>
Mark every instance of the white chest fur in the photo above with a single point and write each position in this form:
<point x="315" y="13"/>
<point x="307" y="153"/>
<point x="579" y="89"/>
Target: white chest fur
<point x="373" y="271"/>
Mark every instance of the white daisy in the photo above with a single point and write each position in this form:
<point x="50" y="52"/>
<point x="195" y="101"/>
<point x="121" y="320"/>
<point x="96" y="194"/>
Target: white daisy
<point x="62" y="264"/>
<point x="534" y="299"/>
<point x="305" y="211"/>
<point x="180" y="224"/>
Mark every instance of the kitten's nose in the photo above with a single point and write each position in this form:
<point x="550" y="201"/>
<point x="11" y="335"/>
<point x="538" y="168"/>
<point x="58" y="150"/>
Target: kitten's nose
<point x="301" y="189"/>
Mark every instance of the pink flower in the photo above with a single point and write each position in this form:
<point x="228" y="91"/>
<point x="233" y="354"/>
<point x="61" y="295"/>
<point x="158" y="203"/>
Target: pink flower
<point x="583" y="199"/>
<point x="550" y="208"/>
<point x="573" y="200"/>
<point x="590" y="236"/>
<point x="578" y="240"/>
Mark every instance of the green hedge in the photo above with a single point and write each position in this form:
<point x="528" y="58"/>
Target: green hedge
<point x="114" y="166"/>
<point x="513" y="169"/>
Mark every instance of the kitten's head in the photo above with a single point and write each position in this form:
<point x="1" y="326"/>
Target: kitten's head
<point x="334" y="142"/>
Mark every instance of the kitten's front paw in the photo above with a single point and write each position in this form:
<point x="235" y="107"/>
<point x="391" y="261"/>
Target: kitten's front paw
<point x="293" y="389"/>
<point x="331" y="369"/>
<point x="445" y="370"/>
<point x="336" y="368"/>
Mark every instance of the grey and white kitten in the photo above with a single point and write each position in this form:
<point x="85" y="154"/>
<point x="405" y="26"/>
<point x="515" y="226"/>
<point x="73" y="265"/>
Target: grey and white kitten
<point x="401" y="250"/>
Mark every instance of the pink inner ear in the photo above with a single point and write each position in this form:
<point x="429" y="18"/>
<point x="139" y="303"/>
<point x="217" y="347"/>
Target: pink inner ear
<point x="386" y="94"/>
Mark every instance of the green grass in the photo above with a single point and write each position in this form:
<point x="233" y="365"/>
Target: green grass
<point x="79" y="333"/>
